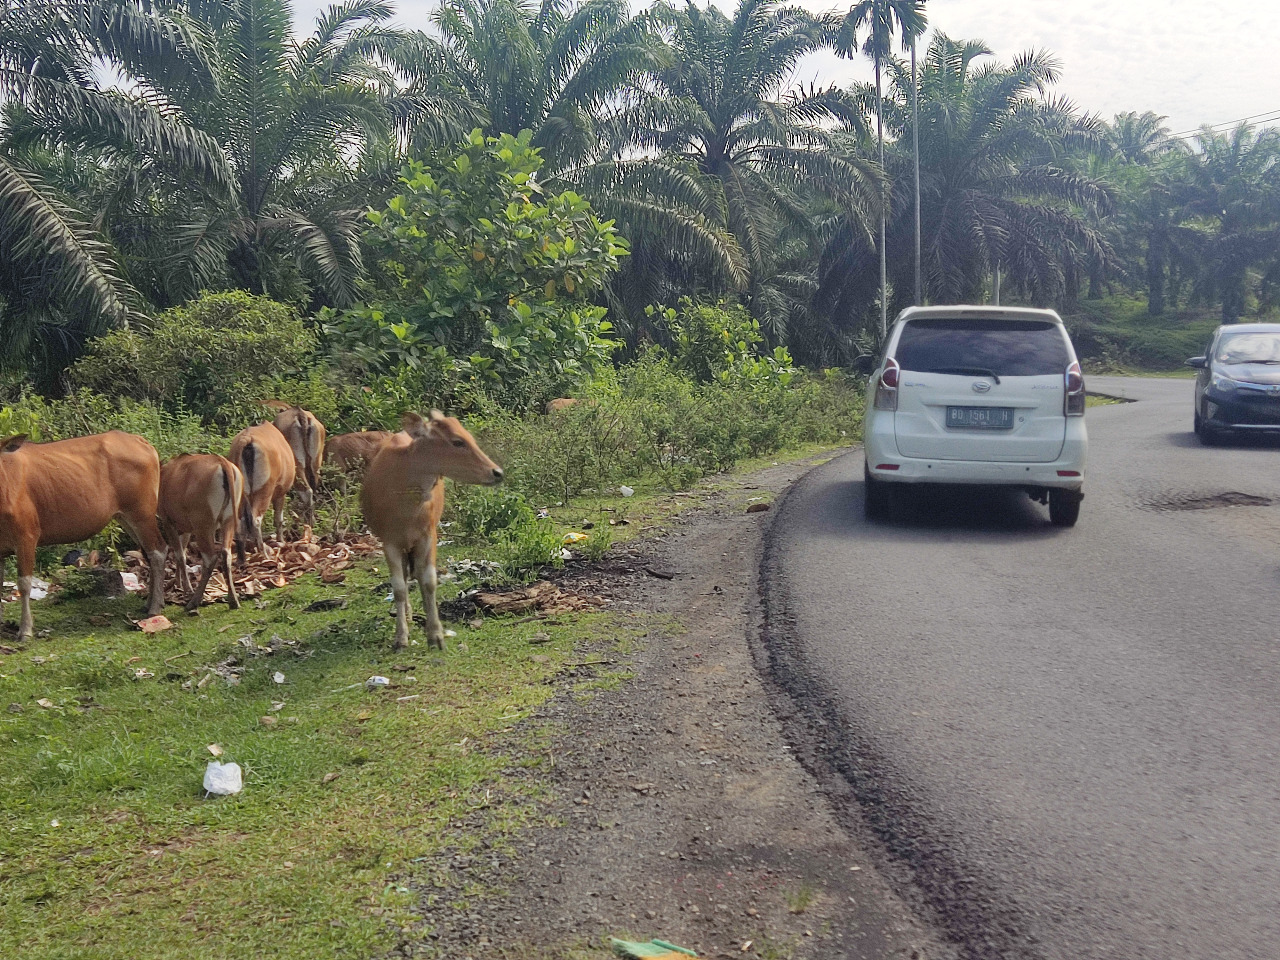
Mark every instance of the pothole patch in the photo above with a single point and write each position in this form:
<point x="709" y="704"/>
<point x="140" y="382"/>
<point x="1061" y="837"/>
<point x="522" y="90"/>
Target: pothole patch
<point x="1191" y="501"/>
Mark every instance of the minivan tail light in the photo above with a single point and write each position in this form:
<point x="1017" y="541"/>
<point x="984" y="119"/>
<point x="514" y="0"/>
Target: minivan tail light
<point x="1073" y="404"/>
<point x="887" y="386"/>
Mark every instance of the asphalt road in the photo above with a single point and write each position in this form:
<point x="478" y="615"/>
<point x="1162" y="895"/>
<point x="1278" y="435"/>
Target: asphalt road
<point x="1066" y="741"/>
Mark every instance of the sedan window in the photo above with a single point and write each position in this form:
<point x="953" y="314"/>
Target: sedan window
<point x="1249" y="348"/>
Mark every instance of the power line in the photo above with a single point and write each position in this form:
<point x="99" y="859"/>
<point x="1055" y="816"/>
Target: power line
<point x="1264" y="117"/>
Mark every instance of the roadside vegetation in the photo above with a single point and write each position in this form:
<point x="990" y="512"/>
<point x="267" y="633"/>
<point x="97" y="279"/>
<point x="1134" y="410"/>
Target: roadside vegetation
<point x="641" y="213"/>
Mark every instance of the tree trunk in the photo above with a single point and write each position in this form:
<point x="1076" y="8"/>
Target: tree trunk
<point x="1157" y="254"/>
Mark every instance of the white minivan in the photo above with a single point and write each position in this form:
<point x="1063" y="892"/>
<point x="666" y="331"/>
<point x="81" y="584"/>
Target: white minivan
<point x="978" y="395"/>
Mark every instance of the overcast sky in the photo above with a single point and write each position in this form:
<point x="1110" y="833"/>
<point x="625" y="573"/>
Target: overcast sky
<point x="1194" y="61"/>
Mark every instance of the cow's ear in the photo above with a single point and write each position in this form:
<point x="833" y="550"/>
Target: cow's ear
<point x="414" y="425"/>
<point x="9" y="444"/>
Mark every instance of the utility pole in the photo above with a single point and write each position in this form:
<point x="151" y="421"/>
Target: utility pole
<point x="915" y="152"/>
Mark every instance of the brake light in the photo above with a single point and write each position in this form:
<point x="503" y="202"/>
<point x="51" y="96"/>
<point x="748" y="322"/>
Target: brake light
<point x="887" y="387"/>
<point x="1073" y="404"/>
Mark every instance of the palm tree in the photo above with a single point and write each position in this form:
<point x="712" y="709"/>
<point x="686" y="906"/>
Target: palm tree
<point x="59" y="279"/>
<point x="556" y="69"/>
<point x="308" y="129"/>
<point x="882" y="17"/>
<point x="992" y="193"/>
<point x="1147" y="165"/>
<point x="725" y="112"/>
<point x="1235" y="192"/>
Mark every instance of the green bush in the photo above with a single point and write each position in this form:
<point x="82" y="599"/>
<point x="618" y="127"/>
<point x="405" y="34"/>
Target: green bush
<point x="481" y="514"/>
<point x="209" y="357"/>
<point x="722" y="342"/>
<point x="481" y="273"/>
<point x="526" y="547"/>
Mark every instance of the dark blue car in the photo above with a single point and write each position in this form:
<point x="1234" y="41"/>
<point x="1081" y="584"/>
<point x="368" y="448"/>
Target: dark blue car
<point x="1238" y="384"/>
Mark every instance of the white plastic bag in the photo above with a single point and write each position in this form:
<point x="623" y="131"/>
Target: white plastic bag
<point x="223" y="779"/>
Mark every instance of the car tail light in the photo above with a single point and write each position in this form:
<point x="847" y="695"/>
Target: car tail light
<point x="887" y="387"/>
<point x="1073" y="404"/>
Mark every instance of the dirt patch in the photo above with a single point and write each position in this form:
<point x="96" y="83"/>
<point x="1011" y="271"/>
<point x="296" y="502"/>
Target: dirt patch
<point x="1184" y="501"/>
<point x="680" y="810"/>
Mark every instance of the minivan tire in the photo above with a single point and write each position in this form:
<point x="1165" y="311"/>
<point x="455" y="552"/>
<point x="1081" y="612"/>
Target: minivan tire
<point x="1064" y="507"/>
<point x="877" y="496"/>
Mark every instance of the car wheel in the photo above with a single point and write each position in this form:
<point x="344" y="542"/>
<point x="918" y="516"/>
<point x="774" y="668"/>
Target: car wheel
<point x="876" y="499"/>
<point x="1064" y="507"/>
<point x="1197" y="424"/>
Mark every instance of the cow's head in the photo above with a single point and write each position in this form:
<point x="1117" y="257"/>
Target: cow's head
<point x="448" y="450"/>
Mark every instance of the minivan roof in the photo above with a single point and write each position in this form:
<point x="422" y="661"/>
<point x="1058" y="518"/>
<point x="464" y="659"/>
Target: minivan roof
<point x="979" y="312"/>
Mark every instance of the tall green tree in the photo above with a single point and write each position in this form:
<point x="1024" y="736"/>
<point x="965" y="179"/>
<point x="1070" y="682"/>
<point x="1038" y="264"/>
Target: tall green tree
<point x="60" y="280"/>
<point x="1235" y="194"/>
<point x="882" y="18"/>
<point x="1148" y="167"/>
<point x="727" y="110"/>
<point x="993" y="193"/>
<point x="307" y="129"/>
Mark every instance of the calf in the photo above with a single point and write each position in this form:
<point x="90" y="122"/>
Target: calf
<point x="305" y="434"/>
<point x="560" y="403"/>
<point x="200" y="497"/>
<point x="67" y="491"/>
<point x="266" y="461"/>
<point x="350" y="450"/>
<point x="403" y="497"/>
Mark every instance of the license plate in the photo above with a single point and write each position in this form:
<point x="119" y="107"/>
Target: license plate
<point x="980" y="418"/>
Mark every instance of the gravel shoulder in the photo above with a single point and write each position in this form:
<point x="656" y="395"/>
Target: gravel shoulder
<point x="678" y="804"/>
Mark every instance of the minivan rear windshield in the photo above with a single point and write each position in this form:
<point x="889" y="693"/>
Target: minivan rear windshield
<point x="1007" y="348"/>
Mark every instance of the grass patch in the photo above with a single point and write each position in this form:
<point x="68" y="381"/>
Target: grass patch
<point x="112" y="851"/>
<point x="1118" y="335"/>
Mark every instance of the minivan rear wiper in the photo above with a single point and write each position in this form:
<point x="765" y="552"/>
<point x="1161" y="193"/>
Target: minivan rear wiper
<point x="967" y="371"/>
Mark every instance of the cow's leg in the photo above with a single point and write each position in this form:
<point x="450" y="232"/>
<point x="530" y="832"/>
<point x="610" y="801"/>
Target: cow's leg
<point x="177" y="550"/>
<point x="400" y="590"/>
<point x="232" y="600"/>
<point x="277" y="504"/>
<point x="426" y="573"/>
<point x="146" y="531"/>
<point x="209" y="554"/>
<point x="26" y="570"/>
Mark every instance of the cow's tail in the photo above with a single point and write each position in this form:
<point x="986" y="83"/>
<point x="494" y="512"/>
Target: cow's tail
<point x="248" y="459"/>
<point x="309" y="452"/>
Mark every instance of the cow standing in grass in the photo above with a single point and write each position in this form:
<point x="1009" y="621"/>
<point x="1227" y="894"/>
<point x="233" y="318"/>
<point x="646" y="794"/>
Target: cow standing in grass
<point x="266" y="461"/>
<point x="403" y="498"/>
<point x="305" y="434"/>
<point x="68" y="491"/>
<point x="347" y="451"/>
<point x="200" y="497"/>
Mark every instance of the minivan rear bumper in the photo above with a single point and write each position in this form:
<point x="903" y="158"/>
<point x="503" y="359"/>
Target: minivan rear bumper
<point x="1066" y="473"/>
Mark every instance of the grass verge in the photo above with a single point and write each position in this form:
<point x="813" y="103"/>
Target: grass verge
<point x="110" y="849"/>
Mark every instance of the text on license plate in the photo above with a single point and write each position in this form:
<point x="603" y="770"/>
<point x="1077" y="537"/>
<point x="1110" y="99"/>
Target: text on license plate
<point x="981" y="418"/>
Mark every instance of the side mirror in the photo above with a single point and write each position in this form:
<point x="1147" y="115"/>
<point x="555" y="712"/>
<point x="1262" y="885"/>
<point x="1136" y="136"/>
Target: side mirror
<point x="1198" y="362"/>
<point x="864" y="364"/>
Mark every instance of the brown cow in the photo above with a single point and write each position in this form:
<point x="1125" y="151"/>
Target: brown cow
<point x="560" y="403"/>
<point x="266" y="461"/>
<point x="200" y="496"/>
<point x="403" y="497"/>
<point x="67" y="491"/>
<point x="350" y="450"/>
<point x="305" y="434"/>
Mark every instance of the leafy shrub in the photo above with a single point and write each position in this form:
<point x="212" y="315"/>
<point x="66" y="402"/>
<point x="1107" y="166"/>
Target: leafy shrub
<point x="205" y="357"/>
<point x="481" y="273"/>
<point x="483" y="514"/>
<point x="526" y="547"/>
<point x="722" y="342"/>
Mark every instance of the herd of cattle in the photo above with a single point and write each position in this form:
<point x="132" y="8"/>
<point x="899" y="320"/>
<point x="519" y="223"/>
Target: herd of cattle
<point x="69" y="490"/>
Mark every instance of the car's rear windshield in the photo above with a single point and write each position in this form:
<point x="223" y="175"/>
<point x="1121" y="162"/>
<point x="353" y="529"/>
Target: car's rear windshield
<point x="1007" y="348"/>
<point x="1249" y="347"/>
